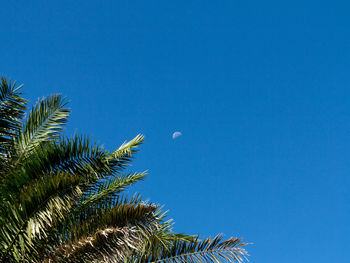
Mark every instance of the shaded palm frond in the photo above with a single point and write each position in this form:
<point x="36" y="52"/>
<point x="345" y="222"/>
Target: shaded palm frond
<point x="146" y="230"/>
<point x="157" y="240"/>
<point x="159" y="236"/>
<point x="119" y="212"/>
<point x="12" y="108"/>
<point x="122" y="213"/>
<point x="109" y="189"/>
<point x="77" y="155"/>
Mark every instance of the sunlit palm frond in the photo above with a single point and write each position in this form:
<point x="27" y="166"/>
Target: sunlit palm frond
<point x="123" y="155"/>
<point x="108" y="245"/>
<point x="40" y="205"/>
<point x="13" y="249"/>
<point x="44" y="123"/>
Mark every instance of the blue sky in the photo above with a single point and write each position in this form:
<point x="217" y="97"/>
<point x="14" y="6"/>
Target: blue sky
<point x="259" y="89"/>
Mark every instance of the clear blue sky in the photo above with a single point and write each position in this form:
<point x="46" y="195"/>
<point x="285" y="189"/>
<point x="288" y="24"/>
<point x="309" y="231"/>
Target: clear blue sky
<point x="259" y="89"/>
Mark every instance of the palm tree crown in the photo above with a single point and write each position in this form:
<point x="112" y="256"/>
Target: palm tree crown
<point x="62" y="200"/>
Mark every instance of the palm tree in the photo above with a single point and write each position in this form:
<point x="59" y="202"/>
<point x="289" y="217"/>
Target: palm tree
<point x="62" y="200"/>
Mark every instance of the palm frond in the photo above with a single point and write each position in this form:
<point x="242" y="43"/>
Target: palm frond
<point x="79" y="229"/>
<point x="75" y="155"/>
<point x="117" y="213"/>
<point x="109" y="189"/>
<point x="159" y="236"/>
<point x="111" y="244"/>
<point x="209" y="250"/>
<point x="41" y="204"/>
<point x="11" y="248"/>
<point x="12" y="108"/>
<point x="49" y="199"/>
<point x="78" y="155"/>
<point x="44" y="123"/>
<point x="123" y="155"/>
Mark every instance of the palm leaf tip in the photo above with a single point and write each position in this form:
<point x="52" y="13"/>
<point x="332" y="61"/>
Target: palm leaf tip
<point x="124" y="154"/>
<point x="130" y="146"/>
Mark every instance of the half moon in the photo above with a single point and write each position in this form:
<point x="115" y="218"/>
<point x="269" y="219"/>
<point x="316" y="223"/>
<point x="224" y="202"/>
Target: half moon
<point x="176" y="134"/>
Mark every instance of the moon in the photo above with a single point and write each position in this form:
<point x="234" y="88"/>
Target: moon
<point x="176" y="134"/>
